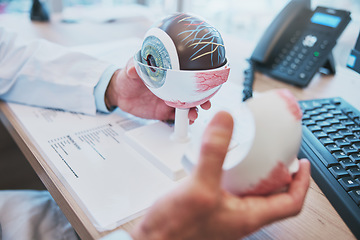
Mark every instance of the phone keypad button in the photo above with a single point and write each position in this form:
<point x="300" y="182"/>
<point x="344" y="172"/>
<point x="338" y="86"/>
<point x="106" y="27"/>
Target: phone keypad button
<point x="285" y="63"/>
<point x="302" y="75"/>
<point x="307" y="68"/>
<point x="294" y="66"/>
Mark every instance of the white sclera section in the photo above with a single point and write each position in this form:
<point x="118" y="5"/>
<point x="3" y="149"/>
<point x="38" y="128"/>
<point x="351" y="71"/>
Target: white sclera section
<point x="241" y="141"/>
<point x="168" y="44"/>
<point x="243" y="137"/>
<point x="180" y="85"/>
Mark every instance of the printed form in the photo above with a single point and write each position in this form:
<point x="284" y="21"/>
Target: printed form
<point x="111" y="181"/>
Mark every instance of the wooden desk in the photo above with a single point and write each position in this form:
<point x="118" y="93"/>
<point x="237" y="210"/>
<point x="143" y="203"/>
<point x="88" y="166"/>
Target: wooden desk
<point x="318" y="220"/>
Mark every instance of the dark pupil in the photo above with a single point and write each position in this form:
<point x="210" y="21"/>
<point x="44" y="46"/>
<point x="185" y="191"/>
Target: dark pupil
<point x="151" y="62"/>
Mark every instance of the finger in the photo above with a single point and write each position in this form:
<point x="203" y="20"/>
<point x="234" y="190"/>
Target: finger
<point x="131" y="70"/>
<point x="299" y="186"/>
<point x="193" y="114"/>
<point x="214" y="147"/>
<point x="206" y="105"/>
<point x="286" y="204"/>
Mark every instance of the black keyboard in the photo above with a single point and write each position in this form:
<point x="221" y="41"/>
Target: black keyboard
<point x="331" y="141"/>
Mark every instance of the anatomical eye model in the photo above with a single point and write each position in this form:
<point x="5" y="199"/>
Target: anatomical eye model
<point x="182" y="61"/>
<point x="198" y="45"/>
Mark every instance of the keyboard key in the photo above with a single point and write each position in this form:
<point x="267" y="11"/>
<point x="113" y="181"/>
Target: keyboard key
<point x="332" y="148"/>
<point x="353" y="116"/>
<point x="345" y="132"/>
<point x="348" y="183"/>
<point x="357" y="121"/>
<point x="346" y="111"/>
<point x="329" y="106"/>
<point x="323" y="123"/>
<point x="354" y="172"/>
<point x="314" y="128"/>
<point x="329" y="161"/>
<point x="309" y="122"/>
<point x="320" y="134"/>
<point x="327" y="115"/>
<point x="353" y="128"/>
<point x="336" y="112"/>
<point x="329" y="129"/>
<point x="313" y="113"/>
<point x="333" y="121"/>
<point x="326" y="140"/>
<point x="355" y="195"/>
<point x="347" y="163"/>
<point x="347" y="123"/>
<point x="355" y="157"/>
<point x="335" y="136"/>
<point x="356" y="145"/>
<point x="339" y="126"/>
<point x="336" y="101"/>
<point x="338" y="171"/>
<point x="340" y="155"/>
<point x="352" y="138"/>
<point x="342" y="142"/>
<point x="309" y="105"/>
<point x="306" y="117"/>
<point x="322" y="110"/>
<point x="349" y="150"/>
<point x="318" y="118"/>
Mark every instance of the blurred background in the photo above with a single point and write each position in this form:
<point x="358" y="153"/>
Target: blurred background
<point x="242" y="22"/>
<point x="233" y="17"/>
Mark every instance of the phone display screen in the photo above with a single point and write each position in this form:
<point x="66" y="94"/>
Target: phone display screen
<point x="325" y="19"/>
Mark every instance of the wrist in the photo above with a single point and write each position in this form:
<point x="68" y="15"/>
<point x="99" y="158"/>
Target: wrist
<point x="110" y="97"/>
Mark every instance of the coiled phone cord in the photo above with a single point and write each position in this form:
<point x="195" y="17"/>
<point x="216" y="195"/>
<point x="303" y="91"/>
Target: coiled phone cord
<point x="249" y="80"/>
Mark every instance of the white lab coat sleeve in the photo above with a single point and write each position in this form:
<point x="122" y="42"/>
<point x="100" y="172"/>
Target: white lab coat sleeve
<point x="31" y="214"/>
<point x="41" y="73"/>
<point x="117" y="235"/>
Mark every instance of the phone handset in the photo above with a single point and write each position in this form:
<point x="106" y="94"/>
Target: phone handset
<point x="277" y="30"/>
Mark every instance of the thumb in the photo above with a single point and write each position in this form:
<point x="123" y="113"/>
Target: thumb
<point x="131" y="70"/>
<point x="215" y="143"/>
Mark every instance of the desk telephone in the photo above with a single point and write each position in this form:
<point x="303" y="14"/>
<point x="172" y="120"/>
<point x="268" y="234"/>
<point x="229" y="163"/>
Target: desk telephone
<point x="299" y="41"/>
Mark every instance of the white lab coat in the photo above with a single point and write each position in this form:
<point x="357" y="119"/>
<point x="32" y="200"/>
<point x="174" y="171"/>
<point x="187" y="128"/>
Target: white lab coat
<point x="32" y="215"/>
<point x="44" y="74"/>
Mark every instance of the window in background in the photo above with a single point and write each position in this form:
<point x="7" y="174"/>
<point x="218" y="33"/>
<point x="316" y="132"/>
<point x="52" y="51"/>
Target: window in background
<point x="252" y="17"/>
<point x="15" y="6"/>
<point x="158" y="8"/>
<point x="100" y="10"/>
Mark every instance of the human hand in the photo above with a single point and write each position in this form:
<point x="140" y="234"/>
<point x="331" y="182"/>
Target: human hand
<point x="127" y="91"/>
<point x="201" y="209"/>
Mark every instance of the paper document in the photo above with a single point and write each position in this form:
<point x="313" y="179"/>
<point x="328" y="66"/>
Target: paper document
<point x="111" y="182"/>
